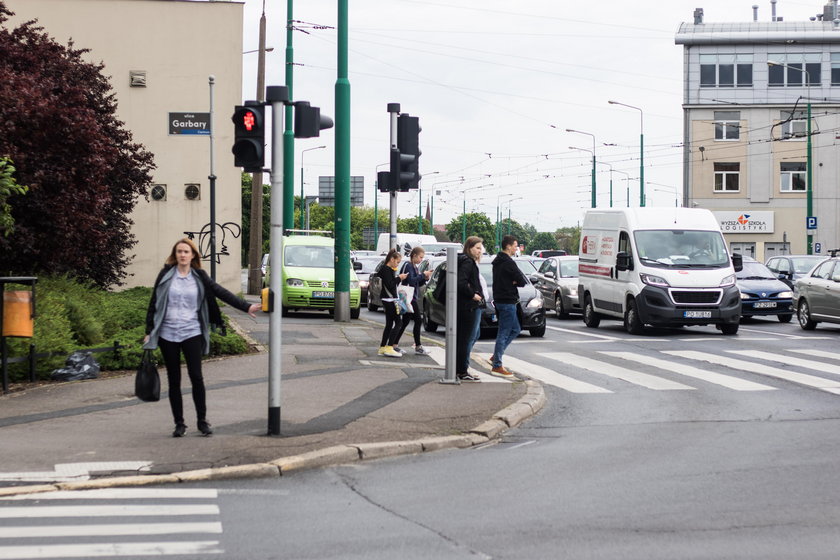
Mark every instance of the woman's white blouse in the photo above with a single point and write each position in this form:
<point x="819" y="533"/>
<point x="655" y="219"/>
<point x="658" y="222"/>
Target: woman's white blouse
<point x="181" y="319"/>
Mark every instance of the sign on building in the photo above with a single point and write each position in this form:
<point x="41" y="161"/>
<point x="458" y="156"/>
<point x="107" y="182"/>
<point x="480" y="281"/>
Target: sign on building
<point x="745" y="222"/>
<point x="326" y="191"/>
<point x="189" y="123"/>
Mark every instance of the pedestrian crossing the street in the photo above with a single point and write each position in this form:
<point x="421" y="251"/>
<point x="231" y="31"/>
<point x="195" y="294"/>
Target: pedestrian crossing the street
<point x="110" y="522"/>
<point x="608" y="372"/>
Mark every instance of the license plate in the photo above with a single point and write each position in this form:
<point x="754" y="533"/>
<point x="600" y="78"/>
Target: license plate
<point x="697" y="314"/>
<point x="764" y="304"/>
<point x="323" y="295"/>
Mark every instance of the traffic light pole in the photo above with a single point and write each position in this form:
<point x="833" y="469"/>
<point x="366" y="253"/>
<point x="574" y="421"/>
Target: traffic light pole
<point x="394" y="111"/>
<point x="212" y="178"/>
<point x="276" y="96"/>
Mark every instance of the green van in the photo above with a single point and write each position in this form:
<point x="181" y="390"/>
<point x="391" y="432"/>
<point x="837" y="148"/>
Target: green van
<point x="309" y="275"/>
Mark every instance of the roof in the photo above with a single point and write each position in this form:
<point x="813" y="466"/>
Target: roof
<point x="753" y="32"/>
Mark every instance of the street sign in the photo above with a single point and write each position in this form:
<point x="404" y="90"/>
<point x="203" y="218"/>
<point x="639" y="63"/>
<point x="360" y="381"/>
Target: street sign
<point x="189" y="123"/>
<point x="818" y="248"/>
<point x="811" y="222"/>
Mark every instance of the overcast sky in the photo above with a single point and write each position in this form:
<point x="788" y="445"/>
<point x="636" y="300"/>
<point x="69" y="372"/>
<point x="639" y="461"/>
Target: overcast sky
<point x="496" y="84"/>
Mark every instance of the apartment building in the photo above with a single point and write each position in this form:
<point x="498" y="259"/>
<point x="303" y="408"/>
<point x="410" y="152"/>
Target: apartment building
<point x="748" y="88"/>
<point x="159" y="55"/>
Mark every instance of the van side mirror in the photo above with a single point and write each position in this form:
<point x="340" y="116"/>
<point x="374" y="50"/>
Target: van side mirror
<point x="623" y="261"/>
<point x="357" y="266"/>
<point x="737" y="262"/>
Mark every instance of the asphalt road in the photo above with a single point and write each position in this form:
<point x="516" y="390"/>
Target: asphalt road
<point x="680" y="444"/>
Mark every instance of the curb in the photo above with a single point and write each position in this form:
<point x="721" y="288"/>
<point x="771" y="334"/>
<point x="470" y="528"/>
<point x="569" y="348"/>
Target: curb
<point x="509" y="417"/>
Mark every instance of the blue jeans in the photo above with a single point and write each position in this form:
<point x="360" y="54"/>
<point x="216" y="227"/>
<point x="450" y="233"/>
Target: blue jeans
<point x="477" y="331"/>
<point x="509" y="329"/>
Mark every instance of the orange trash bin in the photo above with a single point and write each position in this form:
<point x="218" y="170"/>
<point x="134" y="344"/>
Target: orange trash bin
<point x="17" y="314"/>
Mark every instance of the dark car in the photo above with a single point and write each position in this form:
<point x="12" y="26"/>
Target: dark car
<point x="762" y="293"/>
<point x="557" y="281"/>
<point x="368" y="267"/>
<point x="374" y="296"/>
<point x="790" y="268"/>
<point x="816" y="296"/>
<point x="529" y="309"/>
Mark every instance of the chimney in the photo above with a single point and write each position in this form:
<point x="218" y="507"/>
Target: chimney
<point x="698" y="16"/>
<point x="828" y="12"/>
<point x="772" y="10"/>
<point x="755" y="12"/>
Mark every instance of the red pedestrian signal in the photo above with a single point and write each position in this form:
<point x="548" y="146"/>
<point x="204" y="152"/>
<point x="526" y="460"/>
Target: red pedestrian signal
<point x="249" y="137"/>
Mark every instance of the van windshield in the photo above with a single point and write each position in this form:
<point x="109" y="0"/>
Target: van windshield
<point x="681" y="248"/>
<point x="313" y="256"/>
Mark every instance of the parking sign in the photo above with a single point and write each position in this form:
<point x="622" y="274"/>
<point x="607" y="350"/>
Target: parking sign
<point x="811" y="222"/>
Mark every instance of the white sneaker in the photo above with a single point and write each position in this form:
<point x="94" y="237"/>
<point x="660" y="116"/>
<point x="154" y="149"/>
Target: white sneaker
<point x="398" y="349"/>
<point x="420" y="350"/>
<point x="390" y="352"/>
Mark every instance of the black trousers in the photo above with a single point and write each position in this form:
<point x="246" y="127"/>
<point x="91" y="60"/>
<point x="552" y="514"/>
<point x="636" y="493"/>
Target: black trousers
<point x="171" y="351"/>
<point x="417" y="317"/>
<point x="393" y="324"/>
<point x="465" y="325"/>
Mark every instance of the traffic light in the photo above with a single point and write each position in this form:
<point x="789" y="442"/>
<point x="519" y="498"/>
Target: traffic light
<point x="407" y="155"/>
<point x="383" y="181"/>
<point x="309" y="122"/>
<point x="249" y="137"/>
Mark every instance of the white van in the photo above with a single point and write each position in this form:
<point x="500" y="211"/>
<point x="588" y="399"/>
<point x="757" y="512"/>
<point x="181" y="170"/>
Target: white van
<point x="657" y="266"/>
<point x="405" y="241"/>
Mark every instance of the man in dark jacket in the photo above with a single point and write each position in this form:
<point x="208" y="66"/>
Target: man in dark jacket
<point x="507" y="278"/>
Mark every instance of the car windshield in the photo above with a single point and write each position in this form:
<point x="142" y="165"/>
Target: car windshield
<point x="313" y="256"/>
<point x="368" y="264"/>
<point x="432" y="248"/>
<point x="526" y="266"/>
<point x="755" y="271"/>
<point x="681" y="248"/>
<point x="569" y="268"/>
<point x="803" y="264"/>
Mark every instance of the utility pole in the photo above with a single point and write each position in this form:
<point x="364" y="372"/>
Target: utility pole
<point x="342" y="172"/>
<point x="289" y="133"/>
<point x="255" y="239"/>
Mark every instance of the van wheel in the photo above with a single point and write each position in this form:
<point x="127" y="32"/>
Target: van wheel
<point x="804" y="316"/>
<point x="632" y="323"/>
<point x="729" y="329"/>
<point x="537" y="331"/>
<point x="591" y="318"/>
<point x="558" y="307"/>
<point x="428" y="324"/>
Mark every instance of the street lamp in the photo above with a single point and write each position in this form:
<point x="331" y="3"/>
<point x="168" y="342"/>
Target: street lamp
<point x="627" y="184"/>
<point x="670" y="189"/>
<point x="301" y="180"/>
<point x="509" y="205"/>
<point x="269" y="49"/>
<point x="641" y="149"/>
<point x="592" y="187"/>
<point x="376" y="205"/>
<point x="594" y="190"/>
<point x="809" y="192"/>
<point x="611" y="181"/>
<point x="464" y="213"/>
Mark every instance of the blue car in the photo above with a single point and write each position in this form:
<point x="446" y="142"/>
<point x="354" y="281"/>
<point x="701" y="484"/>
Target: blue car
<point x="762" y="293"/>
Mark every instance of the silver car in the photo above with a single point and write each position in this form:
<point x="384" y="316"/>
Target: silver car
<point x="557" y="281"/>
<point x="816" y="296"/>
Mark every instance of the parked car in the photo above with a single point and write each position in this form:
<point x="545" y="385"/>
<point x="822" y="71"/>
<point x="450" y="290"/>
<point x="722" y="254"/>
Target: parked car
<point x="545" y="253"/>
<point x="440" y="248"/>
<point x="368" y="267"/>
<point x="557" y="281"/>
<point x="530" y="309"/>
<point x="374" y="300"/>
<point x="790" y="268"/>
<point x="816" y="296"/>
<point x="762" y="293"/>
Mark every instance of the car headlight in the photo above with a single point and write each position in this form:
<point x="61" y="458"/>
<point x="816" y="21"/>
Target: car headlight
<point x="535" y="303"/>
<point x="294" y="282"/>
<point x="354" y="284"/>
<point x="728" y="281"/>
<point x="573" y="292"/>
<point x="785" y="295"/>
<point x="363" y="283"/>
<point x="745" y="296"/>
<point x="652" y="280"/>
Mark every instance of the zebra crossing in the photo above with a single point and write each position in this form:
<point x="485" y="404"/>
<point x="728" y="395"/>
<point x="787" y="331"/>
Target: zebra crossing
<point x="683" y="370"/>
<point x="110" y="522"/>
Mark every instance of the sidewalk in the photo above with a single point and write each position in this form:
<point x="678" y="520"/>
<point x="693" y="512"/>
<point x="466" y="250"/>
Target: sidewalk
<point x="340" y="402"/>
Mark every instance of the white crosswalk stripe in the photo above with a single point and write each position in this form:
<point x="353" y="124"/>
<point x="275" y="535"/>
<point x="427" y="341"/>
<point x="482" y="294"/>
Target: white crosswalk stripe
<point x="551" y="377"/>
<point x="790" y="360"/>
<point x="752" y="367"/>
<point x="185" y="517"/>
<point x="438" y="354"/>
<point x="623" y="373"/>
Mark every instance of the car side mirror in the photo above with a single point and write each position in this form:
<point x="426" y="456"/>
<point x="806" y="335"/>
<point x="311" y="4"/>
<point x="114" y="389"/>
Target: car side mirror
<point x="533" y="278"/>
<point x="357" y="266"/>
<point x="549" y="274"/>
<point x="623" y="261"/>
<point x="737" y="262"/>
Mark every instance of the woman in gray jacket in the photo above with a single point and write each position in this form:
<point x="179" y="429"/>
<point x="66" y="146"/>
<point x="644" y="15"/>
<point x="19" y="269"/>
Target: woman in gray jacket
<point x="181" y="312"/>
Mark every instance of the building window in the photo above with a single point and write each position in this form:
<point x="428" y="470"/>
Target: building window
<point x="158" y="192"/>
<point x="192" y="191"/>
<point x="726" y="70"/>
<point x="794" y="125"/>
<point x="793" y="177"/>
<point x="727" y="177"/>
<point x="800" y="69"/>
<point x="727" y="125"/>
<point x="835" y="69"/>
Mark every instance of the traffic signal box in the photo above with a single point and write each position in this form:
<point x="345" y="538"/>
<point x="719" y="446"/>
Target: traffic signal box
<point x="405" y="160"/>
<point x="249" y="137"/>
<point x="309" y="122"/>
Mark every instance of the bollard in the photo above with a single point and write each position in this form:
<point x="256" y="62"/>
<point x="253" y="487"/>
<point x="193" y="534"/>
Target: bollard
<point x="451" y="316"/>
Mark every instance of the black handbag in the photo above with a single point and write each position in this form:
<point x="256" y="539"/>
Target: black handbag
<point x="147" y="381"/>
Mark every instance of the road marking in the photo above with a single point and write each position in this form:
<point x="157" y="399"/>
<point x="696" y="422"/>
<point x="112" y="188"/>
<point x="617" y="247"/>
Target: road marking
<point x="785" y="335"/>
<point x="109" y="529"/>
<point x="107" y="511"/>
<point x="617" y="372"/>
<point x="817" y="353"/>
<point x="438" y="354"/>
<point x="119" y="494"/>
<point x="752" y="367"/>
<point x="110" y="549"/>
<point x="551" y="377"/>
<point x="65" y="472"/>
<point x="790" y="360"/>
<point x="690" y="371"/>
<point x="582" y="333"/>
<point x="399" y="364"/>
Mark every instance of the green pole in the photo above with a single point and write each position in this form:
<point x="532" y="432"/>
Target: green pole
<point x="809" y="191"/>
<point x="289" y="132"/>
<point x="611" y="200"/>
<point x="432" y="216"/>
<point x="419" y="211"/>
<point x="642" y="169"/>
<point x="508" y="220"/>
<point x="464" y="222"/>
<point x="594" y="193"/>
<point x="301" y="192"/>
<point x="342" y="171"/>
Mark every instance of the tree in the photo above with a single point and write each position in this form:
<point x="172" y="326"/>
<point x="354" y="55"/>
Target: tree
<point x="409" y="225"/>
<point x="543" y="240"/>
<point x="477" y="224"/>
<point x="8" y="187"/>
<point x="568" y="238"/>
<point x="247" y="187"/>
<point x="84" y="173"/>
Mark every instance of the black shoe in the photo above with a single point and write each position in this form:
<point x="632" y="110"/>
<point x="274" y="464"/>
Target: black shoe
<point x="204" y="427"/>
<point x="469" y="378"/>
<point x="180" y="430"/>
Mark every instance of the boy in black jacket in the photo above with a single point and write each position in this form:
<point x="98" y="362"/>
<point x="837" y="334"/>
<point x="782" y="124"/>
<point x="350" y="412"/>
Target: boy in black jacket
<point x="507" y="278"/>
